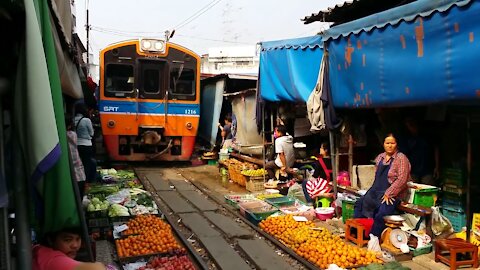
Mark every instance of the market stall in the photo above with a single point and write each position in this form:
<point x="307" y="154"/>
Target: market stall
<point x="120" y="210"/>
<point x="304" y="230"/>
<point x="366" y="72"/>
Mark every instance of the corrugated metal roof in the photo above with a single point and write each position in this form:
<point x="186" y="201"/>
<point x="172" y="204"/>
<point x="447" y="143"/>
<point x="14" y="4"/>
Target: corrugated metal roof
<point x="407" y="13"/>
<point x="352" y="10"/>
<point x="295" y="43"/>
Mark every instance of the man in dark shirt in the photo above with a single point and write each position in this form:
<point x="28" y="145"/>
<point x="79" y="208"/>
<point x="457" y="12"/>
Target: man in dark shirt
<point x="226" y="130"/>
<point x="423" y="156"/>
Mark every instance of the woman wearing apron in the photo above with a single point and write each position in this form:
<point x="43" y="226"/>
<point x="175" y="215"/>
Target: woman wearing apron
<point x="389" y="187"/>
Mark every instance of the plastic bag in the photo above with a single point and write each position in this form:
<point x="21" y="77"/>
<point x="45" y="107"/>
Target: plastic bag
<point x="440" y="224"/>
<point x="374" y="244"/>
<point x="296" y="191"/>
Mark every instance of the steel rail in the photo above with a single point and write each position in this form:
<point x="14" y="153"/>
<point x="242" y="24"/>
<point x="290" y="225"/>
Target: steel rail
<point x="193" y="253"/>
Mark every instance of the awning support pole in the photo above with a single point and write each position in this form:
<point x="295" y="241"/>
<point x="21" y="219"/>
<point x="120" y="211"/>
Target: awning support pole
<point x="4" y="211"/>
<point x="22" y="223"/>
<point x="334" y="151"/>
<point x="469" y="174"/>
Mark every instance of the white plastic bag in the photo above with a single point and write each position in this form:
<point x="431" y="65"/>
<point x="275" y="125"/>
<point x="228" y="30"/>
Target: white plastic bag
<point x="440" y="224"/>
<point x="374" y="244"/>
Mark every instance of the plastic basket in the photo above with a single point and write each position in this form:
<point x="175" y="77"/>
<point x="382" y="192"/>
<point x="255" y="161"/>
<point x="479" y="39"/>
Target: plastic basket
<point x="420" y="251"/>
<point x="454" y="199"/>
<point x="97" y="214"/>
<point x="223" y="156"/>
<point x="244" y="206"/>
<point x="255" y="215"/>
<point x="98" y="222"/>
<point x="454" y="189"/>
<point x="347" y="210"/>
<point x="453" y="176"/>
<point x="456" y="216"/>
<point x="425" y="197"/>
<point x="241" y="179"/>
<point x="281" y="201"/>
<point x="235" y="199"/>
<point x="255" y="218"/>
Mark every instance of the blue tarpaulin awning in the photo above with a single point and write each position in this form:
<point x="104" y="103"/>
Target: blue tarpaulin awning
<point x="289" y="68"/>
<point x="421" y="53"/>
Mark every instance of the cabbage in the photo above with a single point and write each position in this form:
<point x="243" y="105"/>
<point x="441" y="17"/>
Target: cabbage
<point x="117" y="210"/>
<point x="95" y="200"/>
<point x="90" y="207"/>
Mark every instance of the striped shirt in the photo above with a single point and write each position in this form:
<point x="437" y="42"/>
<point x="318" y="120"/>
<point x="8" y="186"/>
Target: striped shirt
<point x="398" y="175"/>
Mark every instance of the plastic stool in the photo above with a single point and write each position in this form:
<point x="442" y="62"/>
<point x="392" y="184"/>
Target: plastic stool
<point x="359" y="239"/>
<point x="446" y="251"/>
<point x="323" y="202"/>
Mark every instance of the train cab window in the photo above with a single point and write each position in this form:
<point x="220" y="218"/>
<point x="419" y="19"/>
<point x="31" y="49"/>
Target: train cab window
<point x="119" y="80"/>
<point x="152" y="82"/>
<point x="182" y="83"/>
<point x="151" y="79"/>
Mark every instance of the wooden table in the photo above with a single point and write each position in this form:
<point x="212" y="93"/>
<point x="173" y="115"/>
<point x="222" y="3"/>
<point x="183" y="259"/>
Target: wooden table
<point x="248" y="159"/>
<point x="421" y="211"/>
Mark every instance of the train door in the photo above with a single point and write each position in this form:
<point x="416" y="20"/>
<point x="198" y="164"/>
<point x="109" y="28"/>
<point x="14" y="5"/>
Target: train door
<point x="152" y="81"/>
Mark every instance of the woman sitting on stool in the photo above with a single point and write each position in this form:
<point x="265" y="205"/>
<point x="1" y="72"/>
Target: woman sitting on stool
<point x="319" y="186"/>
<point x="392" y="171"/>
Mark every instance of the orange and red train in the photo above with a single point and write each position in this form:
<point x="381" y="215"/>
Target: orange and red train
<point x="149" y="100"/>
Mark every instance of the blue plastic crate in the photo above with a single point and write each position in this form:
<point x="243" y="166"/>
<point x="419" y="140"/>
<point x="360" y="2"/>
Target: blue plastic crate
<point x="456" y="215"/>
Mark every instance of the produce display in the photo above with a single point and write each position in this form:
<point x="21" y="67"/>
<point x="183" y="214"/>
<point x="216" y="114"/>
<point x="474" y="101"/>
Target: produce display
<point x="317" y="245"/>
<point x="177" y="262"/>
<point x="96" y="205"/>
<point x="146" y="234"/>
<point x="120" y="197"/>
<point x="252" y="172"/>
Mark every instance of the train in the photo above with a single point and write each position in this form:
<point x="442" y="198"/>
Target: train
<point x="149" y="100"/>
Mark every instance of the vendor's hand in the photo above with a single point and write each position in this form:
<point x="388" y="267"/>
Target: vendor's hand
<point x="388" y="200"/>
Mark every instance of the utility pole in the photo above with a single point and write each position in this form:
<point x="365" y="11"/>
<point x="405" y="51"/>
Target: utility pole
<point x="87" y="28"/>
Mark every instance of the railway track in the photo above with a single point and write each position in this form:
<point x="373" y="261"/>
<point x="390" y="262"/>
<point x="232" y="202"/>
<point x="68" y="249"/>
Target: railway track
<point x="216" y="235"/>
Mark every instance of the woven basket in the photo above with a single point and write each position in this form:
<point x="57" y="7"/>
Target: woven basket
<point x="255" y="186"/>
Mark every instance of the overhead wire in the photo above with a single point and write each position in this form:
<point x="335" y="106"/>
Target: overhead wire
<point x="197" y="14"/>
<point x="124" y="33"/>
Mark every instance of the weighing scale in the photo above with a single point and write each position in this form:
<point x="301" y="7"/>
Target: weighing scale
<point x="392" y="237"/>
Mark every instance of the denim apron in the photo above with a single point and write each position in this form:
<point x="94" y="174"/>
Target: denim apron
<point x="365" y="207"/>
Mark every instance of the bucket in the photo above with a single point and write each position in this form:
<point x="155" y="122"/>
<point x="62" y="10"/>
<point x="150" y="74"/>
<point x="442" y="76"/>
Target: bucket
<point x="324" y="213"/>
<point x="223" y="156"/>
<point x="343" y="179"/>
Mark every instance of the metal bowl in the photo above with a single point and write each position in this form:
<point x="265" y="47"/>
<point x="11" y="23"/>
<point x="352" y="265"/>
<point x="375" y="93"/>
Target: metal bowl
<point x="394" y="219"/>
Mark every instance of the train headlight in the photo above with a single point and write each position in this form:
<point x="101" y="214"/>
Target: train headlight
<point x="152" y="45"/>
<point x="146" y="45"/>
<point x="189" y="125"/>
<point x="111" y="124"/>
<point x="159" y="45"/>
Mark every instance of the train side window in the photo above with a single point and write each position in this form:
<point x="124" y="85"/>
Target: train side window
<point x="118" y="80"/>
<point x="182" y="83"/>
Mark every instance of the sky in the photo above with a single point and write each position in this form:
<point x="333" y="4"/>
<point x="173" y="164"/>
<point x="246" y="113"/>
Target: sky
<point x="199" y="24"/>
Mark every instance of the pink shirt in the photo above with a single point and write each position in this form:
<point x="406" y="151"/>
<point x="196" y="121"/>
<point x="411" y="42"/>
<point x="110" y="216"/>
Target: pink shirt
<point x="45" y="258"/>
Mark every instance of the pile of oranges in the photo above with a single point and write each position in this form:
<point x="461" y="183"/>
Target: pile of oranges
<point x="146" y="234"/>
<point x="317" y="245"/>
